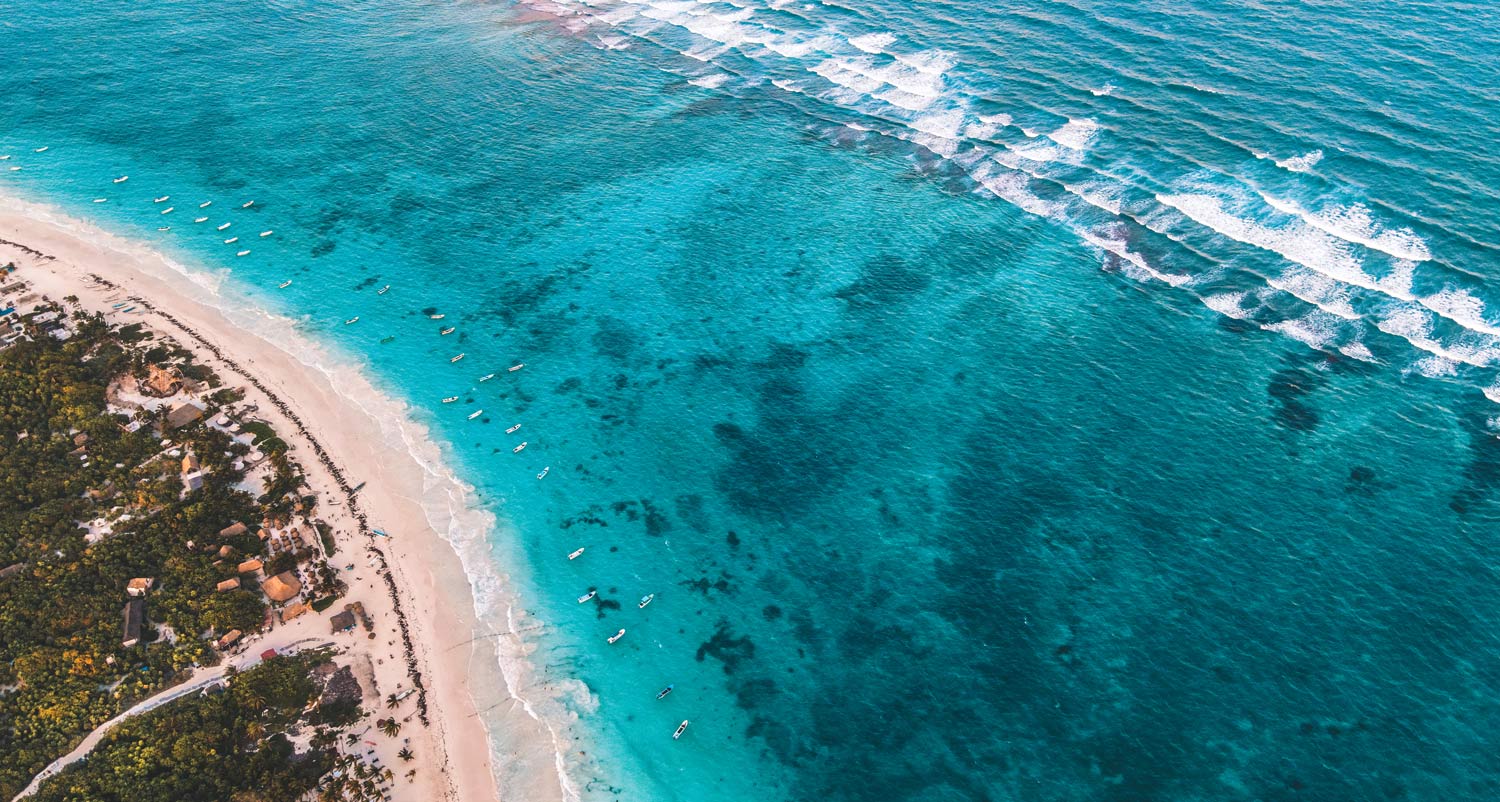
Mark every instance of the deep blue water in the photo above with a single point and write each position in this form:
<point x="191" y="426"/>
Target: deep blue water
<point x="1007" y="400"/>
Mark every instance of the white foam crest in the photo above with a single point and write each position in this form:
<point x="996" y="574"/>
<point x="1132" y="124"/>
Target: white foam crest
<point x="1121" y="249"/>
<point x="1316" y="330"/>
<point x="1100" y="196"/>
<point x="1103" y="91"/>
<point x="713" y="81"/>
<point x="1415" y="326"/>
<point x="1296" y="243"/>
<point x="1357" y="350"/>
<point x="1076" y="134"/>
<point x="1299" y="164"/>
<point x="1317" y="289"/>
<point x="1228" y="304"/>
<point x="1356" y="224"/>
<point x="987" y="126"/>
<point x="873" y="42"/>
<point x="1493" y="393"/>
<point x="1435" y="367"/>
<point x="1462" y="308"/>
<point x="931" y="62"/>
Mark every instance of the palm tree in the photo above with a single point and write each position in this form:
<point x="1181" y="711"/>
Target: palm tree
<point x="391" y="700"/>
<point x="255" y="731"/>
<point x="351" y="738"/>
<point x="390" y="727"/>
<point x="405" y="754"/>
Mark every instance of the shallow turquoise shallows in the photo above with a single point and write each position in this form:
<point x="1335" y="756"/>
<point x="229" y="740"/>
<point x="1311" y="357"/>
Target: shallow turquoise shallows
<point x="1036" y="401"/>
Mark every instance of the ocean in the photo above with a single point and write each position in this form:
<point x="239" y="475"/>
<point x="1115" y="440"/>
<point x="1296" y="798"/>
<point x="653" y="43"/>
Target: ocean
<point x="1073" y="400"/>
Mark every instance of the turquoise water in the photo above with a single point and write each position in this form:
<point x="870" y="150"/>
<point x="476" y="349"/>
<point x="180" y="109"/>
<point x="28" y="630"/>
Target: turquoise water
<point x="1079" y="400"/>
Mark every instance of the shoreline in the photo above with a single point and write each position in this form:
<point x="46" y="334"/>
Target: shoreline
<point x="483" y="737"/>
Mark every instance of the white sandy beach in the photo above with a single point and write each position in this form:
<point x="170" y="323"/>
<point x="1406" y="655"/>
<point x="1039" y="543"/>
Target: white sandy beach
<point x="458" y="756"/>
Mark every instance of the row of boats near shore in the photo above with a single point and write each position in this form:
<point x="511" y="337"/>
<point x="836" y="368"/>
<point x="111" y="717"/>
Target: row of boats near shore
<point x="447" y="330"/>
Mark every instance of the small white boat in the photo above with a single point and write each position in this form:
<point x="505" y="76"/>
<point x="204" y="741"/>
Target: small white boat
<point x="664" y="692"/>
<point x="100" y="200"/>
<point x="231" y="240"/>
<point x="543" y="474"/>
<point x="575" y="555"/>
<point x="447" y="331"/>
<point x="455" y="359"/>
<point x="164" y="228"/>
<point x="476" y="413"/>
<point x="204" y="205"/>
<point x="354" y="319"/>
<point x="512" y="430"/>
<point x="515" y="367"/>
<point x="162" y="199"/>
<point x="42" y="149"/>
<point x="15" y="169"/>
<point x="617" y="636"/>
<point x="681" y="728"/>
<point x="645" y="600"/>
<point x="518" y="448"/>
<point x="283" y="285"/>
<point x="168" y="210"/>
<point x="247" y="204"/>
<point x="226" y="225"/>
<point x="450" y="399"/>
<point x="200" y="219"/>
<point x="585" y="597"/>
<point x="6" y="157"/>
<point x="437" y="317"/>
<point x="243" y="253"/>
<point x="486" y="377"/>
<point x="383" y="290"/>
<point x="266" y="233"/>
<point x="122" y="179"/>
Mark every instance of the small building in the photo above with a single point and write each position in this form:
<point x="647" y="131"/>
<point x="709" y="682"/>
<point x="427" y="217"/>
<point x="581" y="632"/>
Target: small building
<point x="358" y="609"/>
<point x="250" y="566"/>
<point x="183" y="414"/>
<point x="342" y="621"/>
<point x="226" y="550"/>
<point x="282" y="587"/>
<point x="135" y="616"/>
<point x="229" y="639"/>
<point x="228" y="584"/>
<point x="296" y="609"/>
<point x="161" y="382"/>
<point x="80" y="438"/>
<point x="11" y="570"/>
<point x="139" y="585"/>
<point x="189" y="462"/>
<point x="192" y="481"/>
<point x="233" y="530"/>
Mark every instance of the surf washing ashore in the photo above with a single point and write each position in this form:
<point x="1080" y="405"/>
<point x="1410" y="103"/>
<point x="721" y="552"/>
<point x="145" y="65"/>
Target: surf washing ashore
<point x="470" y="681"/>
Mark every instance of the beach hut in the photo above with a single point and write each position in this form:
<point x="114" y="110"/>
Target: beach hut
<point x="228" y="584"/>
<point x="294" y="610"/>
<point x="139" y="585"/>
<point x="250" y="566"/>
<point x="342" y="622"/>
<point x="229" y="639"/>
<point x="234" y="530"/>
<point x="183" y="414"/>
<point x="162" y="382"/>
<point x="282" y="587"/>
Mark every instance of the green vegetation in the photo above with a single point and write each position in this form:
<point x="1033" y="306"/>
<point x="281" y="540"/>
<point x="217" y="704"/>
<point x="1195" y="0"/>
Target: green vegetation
<point x="65" y="459"/>
<point x="215" y="746"/>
